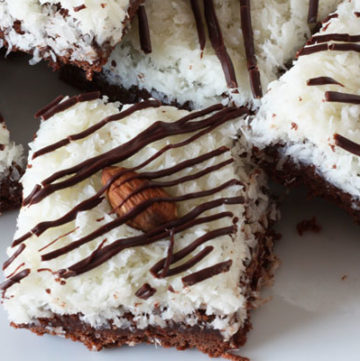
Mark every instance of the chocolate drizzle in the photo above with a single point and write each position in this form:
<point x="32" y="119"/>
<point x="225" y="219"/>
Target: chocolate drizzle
<point x="199" y="24"/>
<point x="322" y="80"/>
<point x="45" y="109"/>
<point x="313" y="11"/>
<point x="155" y="132"/>
<point x="206" y="273"/>
<point x="11" y="259"/>
<point x="248" y="36"/>
<point x="13" y="280"/>
<point x="218" y="44"/>
<point x="57" y="105"/>
<point x="144" y="32"/>
<point x="346" y="38"/>
<point x="212" y="117"/>
<point x="185" y="222"/>
<point x="342" y="97"/>
<point x="347" y="144"/>
<point x="324" y="47"/>
<point x="96" y="127"/>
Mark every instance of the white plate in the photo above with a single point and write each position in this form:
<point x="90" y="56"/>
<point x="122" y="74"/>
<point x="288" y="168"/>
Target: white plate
<point x="313" y="314"/>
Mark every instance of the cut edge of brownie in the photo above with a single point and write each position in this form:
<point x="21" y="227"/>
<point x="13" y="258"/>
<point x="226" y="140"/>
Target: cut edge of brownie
<point x="181" y="336"/>
<point x="11" y="189"/>
<point x="103" y="51"/>
<point x="292" y="174"/>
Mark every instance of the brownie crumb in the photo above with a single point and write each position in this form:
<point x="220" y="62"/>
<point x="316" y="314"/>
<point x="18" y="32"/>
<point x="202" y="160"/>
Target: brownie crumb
<point x="308" y="225"/>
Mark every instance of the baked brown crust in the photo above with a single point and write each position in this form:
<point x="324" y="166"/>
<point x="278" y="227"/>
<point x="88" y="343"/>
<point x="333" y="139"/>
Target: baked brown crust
<point x="182" y="336"/>
<point x="10" y="189"/>
<point x="291" y="174"/>
<point x="103" y="51"/>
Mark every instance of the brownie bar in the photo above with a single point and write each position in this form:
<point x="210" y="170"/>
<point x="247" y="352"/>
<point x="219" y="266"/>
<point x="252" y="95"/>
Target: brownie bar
<point x="67" y="34"/>
<point x="291" y="175"/>
<point x="161" y="222"/>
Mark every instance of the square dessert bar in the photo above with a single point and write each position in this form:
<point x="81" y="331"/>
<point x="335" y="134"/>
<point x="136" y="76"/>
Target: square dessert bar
<point x="198" y="52"/>
<point x="11" y="169"/>
<point x="140" y="223"/>
<point x="308" y="124"/>
<point x="81" y="32"/>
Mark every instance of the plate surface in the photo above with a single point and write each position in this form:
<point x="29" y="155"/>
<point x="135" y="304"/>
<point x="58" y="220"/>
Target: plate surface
<point x="313" y="312"/>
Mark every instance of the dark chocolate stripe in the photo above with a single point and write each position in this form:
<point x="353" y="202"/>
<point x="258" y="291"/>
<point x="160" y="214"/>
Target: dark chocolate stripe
<point x="346" y="38"/>
<point x="191" y="262"/>
<point x="68" y="217"/>
<point x="248" y="35"/>
<point x="155" y="132"/>
<point x="132" y="214"/>
<point x="187" y="221"/>
<point x="155" y="270"/>
<point x="342" y="97"/>
<point x="11" y="259"/>
<point x="313" y="11"/>
<point x="218" y="44"/>
<point x="331" y="16"/>
<point x="145" y="291"/>
<point x="14" y="279"/>
<point x="324" y="47"/>
<point x="45" y="109"/>
<point x="206" y="273"/>
<point x="199" y="24"/>
<point x="347" y="144"/>
<point x="322" y="80"/>
<point x="169" y="257"/>
<point x="77" y="136"/>
<point x="68" y="103"/>
<point x="144" y="31"/>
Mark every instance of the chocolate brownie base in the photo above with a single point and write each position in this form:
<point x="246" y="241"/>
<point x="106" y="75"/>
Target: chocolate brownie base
<point x="182" y="336"/>
<point x="10" y="190"/>
<point x="77" y="78"/>
<point x="103" y="51"/>
<point x="292" y="174"/>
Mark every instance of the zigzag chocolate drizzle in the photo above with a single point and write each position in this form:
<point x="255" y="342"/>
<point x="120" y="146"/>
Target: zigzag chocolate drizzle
<point x="214" y="116"/>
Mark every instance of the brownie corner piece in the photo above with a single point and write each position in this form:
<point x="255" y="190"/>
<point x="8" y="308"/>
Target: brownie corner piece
<point x="65" y="32"/>
<point x="151" y="225"/>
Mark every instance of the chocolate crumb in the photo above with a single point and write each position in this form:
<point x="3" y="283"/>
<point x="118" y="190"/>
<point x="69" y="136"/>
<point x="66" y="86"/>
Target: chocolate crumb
<point x="294" y="126"/>
<point x="80" y="7"/>
<point x="344" y="277"/>
<point x="308" y="225"/>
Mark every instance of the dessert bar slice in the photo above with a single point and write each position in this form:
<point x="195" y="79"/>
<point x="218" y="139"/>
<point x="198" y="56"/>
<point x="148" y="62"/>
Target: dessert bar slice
<point x="140" y="223"/>
<point x="11" y="169"/>
<point x="197" y="52"/>
<point x="308" y="124"/>
<point x="81" y="32"/>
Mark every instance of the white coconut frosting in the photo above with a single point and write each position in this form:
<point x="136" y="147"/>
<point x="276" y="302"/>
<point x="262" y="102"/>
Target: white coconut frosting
<point x="10" y="155"/>
<point x="108" y="291"/>
<point x="78" y="29"/>
<point x="177" y="69"/>
<point x="299" y="116"/>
